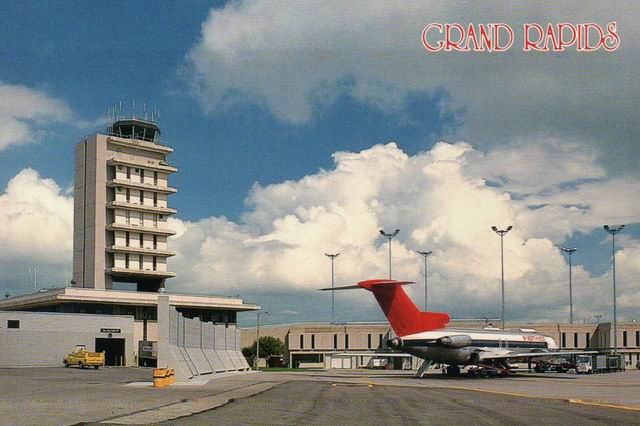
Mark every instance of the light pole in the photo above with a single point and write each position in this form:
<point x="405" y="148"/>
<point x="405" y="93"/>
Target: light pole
<point x="425" y="254"/>
<point x="597" y="317"/>
<point x="613" y="231"/>
<point x="570" y="251"/>
<point x="502" y="233"/>
<point x="389" y="237"/>
<point x="333" y="293"/>
<point x="258" y="339"/>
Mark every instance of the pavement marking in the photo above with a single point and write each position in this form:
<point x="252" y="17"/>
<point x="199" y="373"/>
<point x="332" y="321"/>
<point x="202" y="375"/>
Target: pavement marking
<point x="192" y="406"/>
<point x="516" y="394"/>
<point x="598" y="404"/>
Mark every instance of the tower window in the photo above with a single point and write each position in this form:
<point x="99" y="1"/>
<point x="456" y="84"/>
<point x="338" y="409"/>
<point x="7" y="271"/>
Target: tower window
<point x="128" y="172"/>
<point x="141" y="175"/>
<point x="369" y="341"/>
<point x="155" y="263"/>
<point x="126" y="260"/>
<point x="302" y="341"/>
<point x="126" y="238"/>
<point x="141" y="240"/>
<point x="575" y="340"/>
<point x="140" y="262"/>
<point x="313" y="341"/>
<point x="127" y="215"/>
<point x="155" y="242"/>
<point x="141" y="197"/>
<point x="128" y="192"/>
<point x="13" y="323"/>
<point x="335" y="341"/>
<point x="155" y="199"/>
<point x="155" y="178"/>
<point x="346" y="341"/>
<point x="624" y="338"/>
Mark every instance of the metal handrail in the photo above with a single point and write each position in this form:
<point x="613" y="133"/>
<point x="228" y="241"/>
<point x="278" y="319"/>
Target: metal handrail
<point x="116" y="157"/>
<point x="131" y="138"/>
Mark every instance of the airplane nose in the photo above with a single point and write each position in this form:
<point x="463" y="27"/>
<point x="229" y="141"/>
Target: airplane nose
<point x="394" y="343"/>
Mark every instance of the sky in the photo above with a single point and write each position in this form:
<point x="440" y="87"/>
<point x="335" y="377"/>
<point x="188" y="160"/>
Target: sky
<point x="302" y="128"/>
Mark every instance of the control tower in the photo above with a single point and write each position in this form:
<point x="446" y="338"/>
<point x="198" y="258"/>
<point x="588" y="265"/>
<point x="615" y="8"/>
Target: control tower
<point x="121" y="207"/>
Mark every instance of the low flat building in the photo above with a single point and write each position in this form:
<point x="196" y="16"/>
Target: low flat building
<point x="42" y="339"/>
<point x="80" y="305"/>
<point x="364" y="344"/>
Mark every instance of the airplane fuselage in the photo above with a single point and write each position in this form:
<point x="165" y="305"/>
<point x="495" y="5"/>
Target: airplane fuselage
<point x="455" y="346"/>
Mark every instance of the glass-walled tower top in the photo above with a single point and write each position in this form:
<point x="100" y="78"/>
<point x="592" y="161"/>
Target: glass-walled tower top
<point x="135" y="128"/>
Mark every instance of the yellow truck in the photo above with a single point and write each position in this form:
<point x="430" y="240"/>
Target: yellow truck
<point x="83" y="358"/>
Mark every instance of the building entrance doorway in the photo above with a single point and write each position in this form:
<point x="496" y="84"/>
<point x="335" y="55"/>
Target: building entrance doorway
<point x="113" y="349"/>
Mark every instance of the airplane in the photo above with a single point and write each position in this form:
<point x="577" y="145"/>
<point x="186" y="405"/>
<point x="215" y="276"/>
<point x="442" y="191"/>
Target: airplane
<point x="424" y="334"/>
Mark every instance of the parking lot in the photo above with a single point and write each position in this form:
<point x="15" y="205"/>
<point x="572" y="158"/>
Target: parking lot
<point x="115" y="395"/>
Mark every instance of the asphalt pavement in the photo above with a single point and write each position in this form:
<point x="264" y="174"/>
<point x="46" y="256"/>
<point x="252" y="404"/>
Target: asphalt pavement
<point x="325" y="403"/>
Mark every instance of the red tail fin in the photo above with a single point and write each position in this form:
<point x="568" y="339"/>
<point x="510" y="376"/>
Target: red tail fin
<point x="403" y="315"/>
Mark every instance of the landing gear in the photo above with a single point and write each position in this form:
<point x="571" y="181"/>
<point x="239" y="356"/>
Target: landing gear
<point x="453" y="370"/>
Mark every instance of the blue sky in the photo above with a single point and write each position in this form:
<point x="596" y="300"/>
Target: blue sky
<point x="126" y="51"/>
<point x="231" y="129"/>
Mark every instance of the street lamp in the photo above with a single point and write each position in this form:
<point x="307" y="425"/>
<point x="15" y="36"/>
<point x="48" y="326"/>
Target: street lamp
<point x="425" y="254"/>
<point x="570" y="251"/>
<point x="258" y="339"/>
<point x="597" y="317"/>
<point x="333" y="293"/>
<point x="502" y="233"/>
<point x="389" y="237"/>
<point x="613" y="231"/>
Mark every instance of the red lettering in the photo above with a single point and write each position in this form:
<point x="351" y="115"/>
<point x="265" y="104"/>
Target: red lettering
<point x="496" y="37"/>
<point x="529" y="44"/>
<point x="587" y="37"/>
<point x="612" y="41"/>
<point x="562" y="32"/>
<point x="426" y="44"/>
<point x="449" y="44"/>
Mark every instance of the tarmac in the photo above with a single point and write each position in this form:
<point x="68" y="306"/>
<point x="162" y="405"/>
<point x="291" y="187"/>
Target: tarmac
<point x="72" y="396"/>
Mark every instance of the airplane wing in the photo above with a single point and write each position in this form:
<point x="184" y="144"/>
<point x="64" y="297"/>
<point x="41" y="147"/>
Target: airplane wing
<point x="527" y="355"/>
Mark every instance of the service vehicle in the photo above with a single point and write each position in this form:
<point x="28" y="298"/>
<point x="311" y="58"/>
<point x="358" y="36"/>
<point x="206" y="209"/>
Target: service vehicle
<point x="83" y="358"/>
<point x="584" y="364"/>
<point x="599" y="363"/>
<point x="378" y="363"/>
<point x="558" y="365"/>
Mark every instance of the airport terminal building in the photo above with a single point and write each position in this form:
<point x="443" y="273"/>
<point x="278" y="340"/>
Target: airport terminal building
<point x="364" y="345"/>
<point x="120" y="253"/>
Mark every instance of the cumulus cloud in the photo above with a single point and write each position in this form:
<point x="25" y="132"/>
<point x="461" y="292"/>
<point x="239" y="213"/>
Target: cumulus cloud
<point x="295" y="58"/>
<point x="442" y="201"/>
<point x="36" y="218"/>
<point x="24" y="111"/>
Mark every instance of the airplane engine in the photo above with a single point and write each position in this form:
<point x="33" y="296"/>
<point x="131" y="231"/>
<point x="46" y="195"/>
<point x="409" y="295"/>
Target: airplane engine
<point x="394" y="343"/>
<point x="455" y="342"/>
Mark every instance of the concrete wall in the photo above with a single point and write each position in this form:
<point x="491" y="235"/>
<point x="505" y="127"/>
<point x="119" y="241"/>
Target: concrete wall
<point x="89" y="218"/>
<point x="43" y="339"/>
<point x="195" y="348"/>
